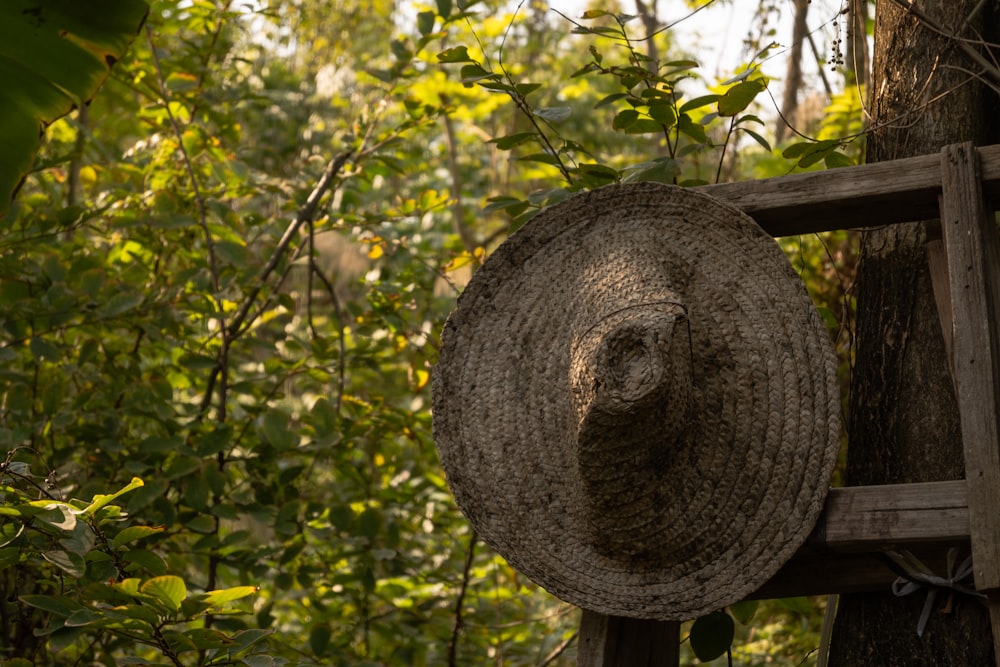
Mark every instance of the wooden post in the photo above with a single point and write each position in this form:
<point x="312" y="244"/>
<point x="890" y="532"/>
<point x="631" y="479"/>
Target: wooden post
<point x="612" y="641"/>
<point x="973" y="251"/>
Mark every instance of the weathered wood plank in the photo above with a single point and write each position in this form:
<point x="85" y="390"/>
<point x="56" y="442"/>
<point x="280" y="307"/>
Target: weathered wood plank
<point x="612" y="641"/>
<point x="852" y="197"/>
<point x="973" y="251"/>
<point x="860" y="522"/>
<point x="867" y="518"/>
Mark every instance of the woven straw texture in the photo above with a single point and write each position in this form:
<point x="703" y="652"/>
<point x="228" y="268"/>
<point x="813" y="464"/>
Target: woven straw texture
<point x="637" y="404"/>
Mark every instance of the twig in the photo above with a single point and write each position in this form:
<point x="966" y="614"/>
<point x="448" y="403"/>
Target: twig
<point x="341" y="361"/>
<point x="305" y="214"/>
<point x="559" y="650"/>
<point x="460" y="601"/>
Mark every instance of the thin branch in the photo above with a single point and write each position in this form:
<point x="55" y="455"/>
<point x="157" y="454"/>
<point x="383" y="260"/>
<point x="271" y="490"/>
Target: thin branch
<point x="460" y="602"/>
<point x="342" y="361"/>
<point x="559" y="650"/>
<point x="189" y="167"/>
<point x="305" y="214"/>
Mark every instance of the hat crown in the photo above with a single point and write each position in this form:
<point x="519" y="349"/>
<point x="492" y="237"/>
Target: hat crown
<point x="631" y="379"/>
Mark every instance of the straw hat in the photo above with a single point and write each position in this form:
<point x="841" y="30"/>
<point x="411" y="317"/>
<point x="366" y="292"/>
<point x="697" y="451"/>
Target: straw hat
<point x="637" y="404"/>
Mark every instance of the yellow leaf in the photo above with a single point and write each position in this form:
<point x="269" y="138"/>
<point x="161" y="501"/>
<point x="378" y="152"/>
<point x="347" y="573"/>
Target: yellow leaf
<point x="422" y="377"/>
<point x="375" y="252"/>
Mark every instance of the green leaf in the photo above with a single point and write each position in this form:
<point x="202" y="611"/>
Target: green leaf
<point x="247" y="638"/>
<point x="661" y="170"/>
<point x="59" y="606"/>
<point x="609" y="99"/>
<point x="370" y="522"/>
<point x="554" y="114"/>
<point x="759" y="139"/>
<point x="197" y="362"/>
<point x="712" y="635"/>
<point x="64" y="518"/>
<point x="599" y="174"/>
<point x="698" y="102"/>
<point x="274" y="429"/>
<point x="744" y="611"/>
<point x="645" y="126"/>
<point x="54" y="55"/>
<point x="812" y="157"/>
<point x="225" y="595"/>
<point x="232" y="253"/>
<point x="456" y="54"/>
<point x="146" y="560"/>
<point x="444" y="8"/>
<point x="319" y="639"/>
<point x="512" y="205"/>
<point x="134" y="534"/>
<point x="168" y="589"/>
<point x="799" y="605"/>
<point x="837" y="159"/>
<point x="594" y="14"/>
<point x="207" y="639"/>
<point x="121" y="303"/>
<point x="663" y="113"/>
<point x="425" y="22"/>
<point x="40" y="348"/>
<point x="739" y="97"/>
<point x="84" y="617"/>
<point x="624" y="119"/>
<point x="512" y="140"/>
<point x="473" y="73"/>
<point x="525" y="89"/>
<point x="100" y="500"/>
<point x="71" y="563"/>
<point x="544" y="158"/>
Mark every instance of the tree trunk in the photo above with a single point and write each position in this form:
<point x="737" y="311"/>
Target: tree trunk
<point x="793" y="78"/>
<point x="856" y="44"/>
<point x="903" y="424"/>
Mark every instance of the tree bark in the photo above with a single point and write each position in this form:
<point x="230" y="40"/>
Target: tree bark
<point x="903" y="424"/>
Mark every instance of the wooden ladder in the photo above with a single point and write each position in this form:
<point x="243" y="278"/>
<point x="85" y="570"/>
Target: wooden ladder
<point x="961" y="187"/>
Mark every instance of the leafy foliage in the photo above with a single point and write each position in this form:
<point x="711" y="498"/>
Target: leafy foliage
<point x="220" y="295"/>
<point x="54" y="56"/>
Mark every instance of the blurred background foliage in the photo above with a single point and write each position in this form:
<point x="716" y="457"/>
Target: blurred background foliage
<point x="221" y="288"/>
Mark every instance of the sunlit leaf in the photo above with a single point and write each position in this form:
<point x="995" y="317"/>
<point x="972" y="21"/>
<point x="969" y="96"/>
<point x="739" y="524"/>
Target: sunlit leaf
<point x="101" y="500"/>
<point x="53" y="58"/>
<point x="168" y="589"/>
<point x="739" y="97"/>
<point x="226" y="595"/>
